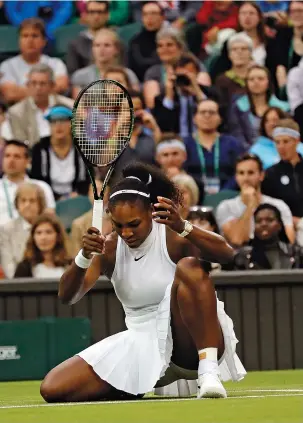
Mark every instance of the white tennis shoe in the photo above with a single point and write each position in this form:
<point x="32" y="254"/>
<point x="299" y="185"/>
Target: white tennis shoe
<point x="210" y="386"/>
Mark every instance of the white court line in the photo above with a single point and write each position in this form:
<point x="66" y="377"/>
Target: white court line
<point x="265" y="390"/>
<point x="71" y="404"/>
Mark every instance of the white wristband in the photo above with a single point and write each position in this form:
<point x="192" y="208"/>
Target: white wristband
<point x="82" y="261"/>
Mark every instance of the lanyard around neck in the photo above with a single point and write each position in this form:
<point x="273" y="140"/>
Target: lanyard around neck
<point x="8" y="201"/>
<point x="216" y="156"/>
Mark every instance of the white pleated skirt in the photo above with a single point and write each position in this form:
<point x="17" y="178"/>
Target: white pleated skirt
<point x="134" y="360"/>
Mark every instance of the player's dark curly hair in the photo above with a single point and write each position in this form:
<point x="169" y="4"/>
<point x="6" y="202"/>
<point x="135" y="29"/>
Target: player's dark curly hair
<point x="152" y="181"/>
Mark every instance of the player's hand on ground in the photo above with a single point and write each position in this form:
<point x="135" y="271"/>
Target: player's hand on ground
<point x="92" y="242"/>
<point x="170" y="216"/>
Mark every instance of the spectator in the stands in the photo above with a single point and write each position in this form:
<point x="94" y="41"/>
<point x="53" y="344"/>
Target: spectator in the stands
<point x="55" y="159"/>
<point x="118" y="11"/>
<point x="211" y="155"/>
<point x="288" y="43"/>
<point x="265" y="147"/>
<point x="189" y="190"/>
<point x="46" y="254"/>
<point x="119" y="74"/>
<point x="247" y="111"/>
<point x="30" y="203"/>
<point x="295" y="93"/>
<point x="235" y="216"/>
<point x="107" y="51"/>
<point x="14" y="71"/>
<point x="142" y="49"/>
<point x="25" y="120"/>
<point x="79" y="52"/>
<point x="146" y="133"/>
<point x="170" y="47"/>
<point x="204" y="218"/>
<point x="270" y="248"/>
<point x="54" y="13"/>
<point x="251" y="23"/>
<point x="171" y="154"/>
<point x="284" y="180"/>
<point x="82" y="223"/>
<point x="213" y="17"/>
<point x="176" y="105"/>
<point x="231" y="84"/>
<point x="14" y="165"/>
<point x="177" y="13"/>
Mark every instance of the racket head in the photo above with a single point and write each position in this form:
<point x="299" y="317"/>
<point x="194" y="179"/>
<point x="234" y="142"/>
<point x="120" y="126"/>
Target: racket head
<point x="102" y="122"/>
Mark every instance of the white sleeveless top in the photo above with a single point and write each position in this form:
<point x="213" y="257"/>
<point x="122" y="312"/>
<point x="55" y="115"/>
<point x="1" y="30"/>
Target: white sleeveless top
<point x="142" y="274"/>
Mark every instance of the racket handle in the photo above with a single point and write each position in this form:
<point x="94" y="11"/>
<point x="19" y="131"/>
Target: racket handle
<point x="97" y="216"/>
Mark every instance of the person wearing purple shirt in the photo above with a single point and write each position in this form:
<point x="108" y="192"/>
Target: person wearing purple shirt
<point x="211" y="156"/>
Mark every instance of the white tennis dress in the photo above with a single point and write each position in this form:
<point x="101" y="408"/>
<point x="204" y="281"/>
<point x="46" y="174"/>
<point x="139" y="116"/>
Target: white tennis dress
<point x="135" y="359"/>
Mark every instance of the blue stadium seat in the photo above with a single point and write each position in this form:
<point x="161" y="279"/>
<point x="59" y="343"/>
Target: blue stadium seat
<point x="71" y="208"/>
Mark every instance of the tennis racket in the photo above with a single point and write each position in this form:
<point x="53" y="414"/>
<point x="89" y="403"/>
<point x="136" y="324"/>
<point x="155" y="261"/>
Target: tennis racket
<point x="102" y="125"/>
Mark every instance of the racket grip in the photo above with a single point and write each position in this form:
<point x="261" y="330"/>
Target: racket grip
<point x="97" y="216"/>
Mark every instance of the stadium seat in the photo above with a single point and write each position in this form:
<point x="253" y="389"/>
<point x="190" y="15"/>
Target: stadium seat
<point x="64" y="35"/>
<point x="70" y="209"/>
<point x="213" y="200"/>
<point x="127" y="32"/>
<point x="9" y="41"/>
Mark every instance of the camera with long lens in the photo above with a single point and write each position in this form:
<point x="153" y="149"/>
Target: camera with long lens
<point x="183" y="81"/>
<point x="138" y="120"/>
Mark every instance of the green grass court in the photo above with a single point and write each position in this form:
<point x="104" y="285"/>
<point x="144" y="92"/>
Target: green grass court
<point x="262" y="397"/>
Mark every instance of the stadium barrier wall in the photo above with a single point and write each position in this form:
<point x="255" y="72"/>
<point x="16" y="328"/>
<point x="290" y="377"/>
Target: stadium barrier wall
<point x="266" y="307"/>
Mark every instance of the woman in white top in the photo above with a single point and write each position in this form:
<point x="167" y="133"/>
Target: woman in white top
<point x="46" y="253"/>
<point x="169" y="300"/>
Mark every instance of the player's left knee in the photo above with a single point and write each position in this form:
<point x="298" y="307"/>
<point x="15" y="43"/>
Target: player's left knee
<point x="190" y="271"/>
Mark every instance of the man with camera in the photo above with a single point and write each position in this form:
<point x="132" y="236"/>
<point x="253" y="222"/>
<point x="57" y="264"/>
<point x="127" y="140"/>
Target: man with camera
<point x="146" y="133"/>
<point x="174" y="109"/>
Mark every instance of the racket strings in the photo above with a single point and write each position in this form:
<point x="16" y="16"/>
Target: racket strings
<point x="102" y="122"/>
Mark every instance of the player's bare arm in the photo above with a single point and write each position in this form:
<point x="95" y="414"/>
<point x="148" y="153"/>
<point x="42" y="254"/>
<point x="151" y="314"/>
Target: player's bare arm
<point x="213" y="247"/>
<point x="76" y="281"/>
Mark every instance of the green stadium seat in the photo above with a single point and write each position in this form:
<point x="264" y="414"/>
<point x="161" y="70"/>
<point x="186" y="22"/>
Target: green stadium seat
<point x="71" y="208"/>
<point x="127" y="32"/>
<point x="9" y="41"/>
<point x="213" y="200"/>
<point x="64" y="35"/>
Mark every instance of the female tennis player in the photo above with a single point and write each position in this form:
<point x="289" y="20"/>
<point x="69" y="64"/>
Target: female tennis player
<point x="176" y="328"/>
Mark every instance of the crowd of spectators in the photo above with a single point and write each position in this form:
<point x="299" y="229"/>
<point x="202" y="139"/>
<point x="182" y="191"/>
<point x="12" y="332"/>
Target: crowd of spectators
<point x="217" y="88"/>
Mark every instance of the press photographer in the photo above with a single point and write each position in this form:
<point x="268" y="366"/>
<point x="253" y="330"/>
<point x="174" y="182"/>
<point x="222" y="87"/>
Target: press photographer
<point x="175" y="107"/>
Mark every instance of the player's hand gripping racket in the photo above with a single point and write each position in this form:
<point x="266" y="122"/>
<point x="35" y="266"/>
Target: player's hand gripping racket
<point x="102" y="125"/>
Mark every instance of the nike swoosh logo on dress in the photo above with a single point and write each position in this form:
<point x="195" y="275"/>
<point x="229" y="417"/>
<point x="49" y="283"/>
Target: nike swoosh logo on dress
<point x="139" y="258"/>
